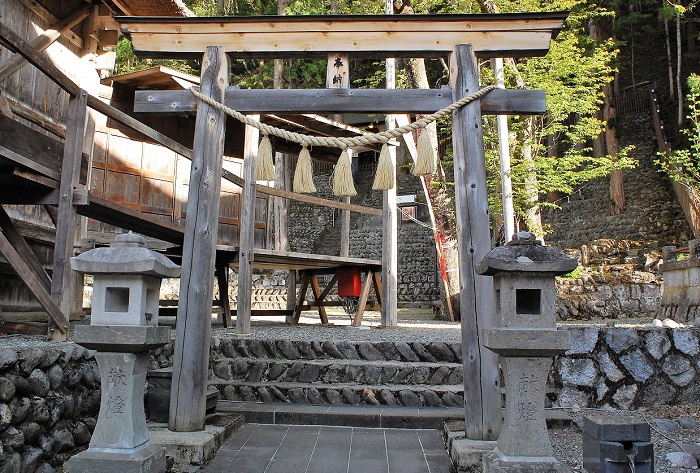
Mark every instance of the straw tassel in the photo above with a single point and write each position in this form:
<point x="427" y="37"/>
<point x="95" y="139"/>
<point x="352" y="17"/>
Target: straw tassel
<point x="264" y="166"/>
<point x="342" y="176"/>
<point x="425" y="159"/>
<point x="384" y="178"/>
<point x="303" y="176"/>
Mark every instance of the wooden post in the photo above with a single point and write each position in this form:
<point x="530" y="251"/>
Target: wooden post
<point x="481" y="378"/>
<point x="338" y="77"/>
<point x="246" y="240"/>
<point x="191" y="358"/>
<point x="390" y="281"/>
<point x="291" y="295"/>
<point x="67" y="217"/>
<point x="222" y="280"/>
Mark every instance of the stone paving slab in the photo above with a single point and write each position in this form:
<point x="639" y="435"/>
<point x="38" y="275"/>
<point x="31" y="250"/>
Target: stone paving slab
<point x="265" y="448"/>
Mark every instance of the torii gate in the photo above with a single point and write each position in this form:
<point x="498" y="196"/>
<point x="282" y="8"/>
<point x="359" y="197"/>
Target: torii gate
<point x="463" y="37"/>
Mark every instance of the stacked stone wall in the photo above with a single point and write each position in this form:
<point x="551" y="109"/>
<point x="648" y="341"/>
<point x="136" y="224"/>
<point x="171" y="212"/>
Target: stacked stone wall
<point x="652" y="213"/>
<point x="50" y="396"/>
<point x="581" y="299"/>
<point x="628" y="367"/>
<point x="49" y="400"/>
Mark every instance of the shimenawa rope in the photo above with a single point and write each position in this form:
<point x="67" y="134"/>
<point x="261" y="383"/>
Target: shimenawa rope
<point x="262" y="173"/>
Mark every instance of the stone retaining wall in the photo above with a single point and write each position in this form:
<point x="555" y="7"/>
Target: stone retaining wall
<point x="652" y="213"/>
<point x="628" y="367"/>
<point x="49" y="396"/>
<point x="49" y="400"/>
<point x="581" y="299"/>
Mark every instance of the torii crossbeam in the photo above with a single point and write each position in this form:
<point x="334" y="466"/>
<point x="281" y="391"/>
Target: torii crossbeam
<point x="463" y="37"/>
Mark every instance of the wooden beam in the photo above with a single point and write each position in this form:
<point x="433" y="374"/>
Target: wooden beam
<point x="291" y="295"/>
<point x="301" y="297"/>
<point x="35" y="283"/>
<point x="47" y="16"/>
<point x="329" y="287"/>
<point x="246" y="238"/>
<point x="481" y="377"/>
<point x="67" y="217"/>
<point x="318" y="300"/>
<point x="390" y="218"/>
<point x="23" y="249"/>
<point x="362" y="35"/>
<point x="45" y="39"/>
<point x="222" y="280"/>
<point x="191" y="358"/>
<point x="103" y="210"/>
<point x="294" y="101"/>
<point x="362" y="303"/>
<point x="338" y="77"/>
<point x="22" y="47"/>
<point x="29" y="328"/>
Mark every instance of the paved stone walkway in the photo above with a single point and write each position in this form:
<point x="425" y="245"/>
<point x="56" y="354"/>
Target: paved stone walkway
<point x="264" y="448"/>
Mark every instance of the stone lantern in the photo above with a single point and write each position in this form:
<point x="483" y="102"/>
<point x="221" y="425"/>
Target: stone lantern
<point x="123" y="328"/>
<point x="526" y="338"/>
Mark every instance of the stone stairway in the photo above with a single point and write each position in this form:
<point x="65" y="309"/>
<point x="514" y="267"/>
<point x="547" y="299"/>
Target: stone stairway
<point x="412" y="374"/>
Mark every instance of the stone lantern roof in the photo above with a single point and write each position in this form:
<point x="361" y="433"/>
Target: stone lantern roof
<point x="525" y="253"/>
<point x="127" y="255"/>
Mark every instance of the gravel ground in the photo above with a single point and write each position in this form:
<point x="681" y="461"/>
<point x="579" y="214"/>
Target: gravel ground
<point x="413" y="325"/>
<point x="568" y="442"/>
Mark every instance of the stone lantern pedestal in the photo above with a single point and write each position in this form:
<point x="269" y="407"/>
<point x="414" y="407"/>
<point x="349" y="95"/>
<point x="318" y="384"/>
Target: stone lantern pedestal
<point x="526" y="339"/>
<point x="124" y="327"/>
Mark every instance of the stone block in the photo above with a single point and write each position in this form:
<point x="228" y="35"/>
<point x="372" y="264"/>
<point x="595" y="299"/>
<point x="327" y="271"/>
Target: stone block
<point x="615" y="457"/>
<point x="686" y="341"/>
<point x="638" y="365"/>
<point x="495" y="463"/>
<point x="467" y="454"/>
<point x="620" y="340"/>
<point x="526" y="342"/>
<point x="577" y="372"/>
<point x="149" y="459"/>
<point x="124" y="338"/>
<point x="583" y="340"/>
<point x="616" y="428"/>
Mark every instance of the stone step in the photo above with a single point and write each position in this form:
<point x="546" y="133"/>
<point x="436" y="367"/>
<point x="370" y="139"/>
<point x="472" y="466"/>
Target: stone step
<point x="338" y="371"/>
<point x="342" y="393"/>
<point x="431" y="352"/>
<point x="397" y="417"/>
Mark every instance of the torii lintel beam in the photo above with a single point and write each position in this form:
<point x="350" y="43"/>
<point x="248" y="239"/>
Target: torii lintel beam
<point x="290" y="101"/>
<point x="491" y="35"/>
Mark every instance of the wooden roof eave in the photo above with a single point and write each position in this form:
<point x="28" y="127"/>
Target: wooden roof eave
<point x="508" y="34"/>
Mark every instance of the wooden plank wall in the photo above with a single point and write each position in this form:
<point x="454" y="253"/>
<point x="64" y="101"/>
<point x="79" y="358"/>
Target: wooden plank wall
<point x="154" y="180"/>
<point x="38" y="93"/>
<point x="29" y="86"/>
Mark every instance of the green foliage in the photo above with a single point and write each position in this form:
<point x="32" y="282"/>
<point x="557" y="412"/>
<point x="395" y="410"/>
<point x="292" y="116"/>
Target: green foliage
<point x="128" y="62"/>
<point x="683" y="165"/>
<point x="575" y="274"/>
<point x="573" y="75"/>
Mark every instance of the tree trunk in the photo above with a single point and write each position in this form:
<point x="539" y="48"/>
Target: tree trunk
<point x="533" y="217"/>
<point x="440" y="200"/>
<point x="671" y="86"/>
<point x="601" y="30"/>
<point x="679" y="84"/>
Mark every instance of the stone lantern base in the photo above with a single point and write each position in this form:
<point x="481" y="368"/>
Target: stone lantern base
<point x="496" y="462"/>
<point x="145" y="459"/>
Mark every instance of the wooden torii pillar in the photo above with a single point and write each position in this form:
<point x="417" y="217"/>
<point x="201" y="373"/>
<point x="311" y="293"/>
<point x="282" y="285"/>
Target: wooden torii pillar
<point x="508" y="35"/>
<point x="191" y="357"/>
